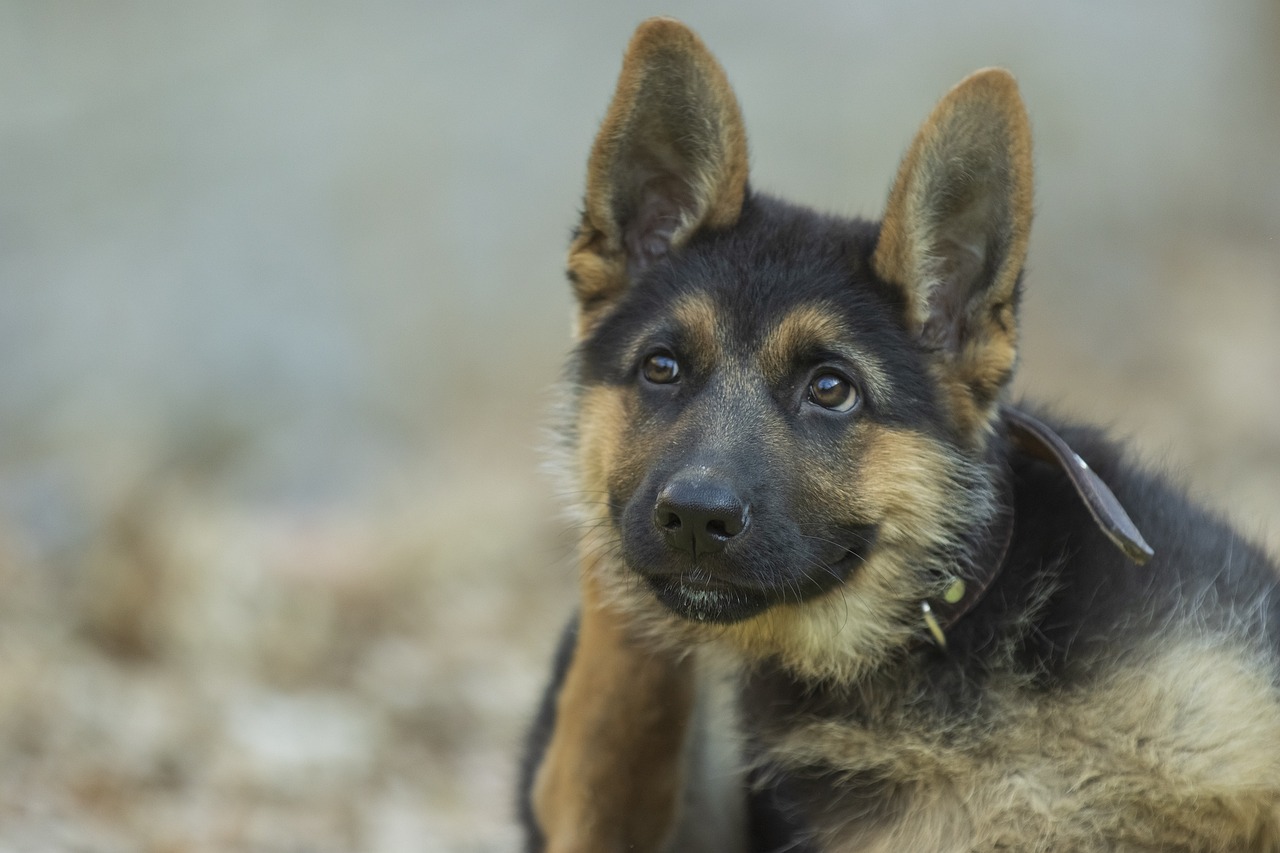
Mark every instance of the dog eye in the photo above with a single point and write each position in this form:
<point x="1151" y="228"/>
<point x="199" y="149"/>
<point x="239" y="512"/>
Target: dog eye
<point x="832" y="391"/>
<point x="661" y="368"/>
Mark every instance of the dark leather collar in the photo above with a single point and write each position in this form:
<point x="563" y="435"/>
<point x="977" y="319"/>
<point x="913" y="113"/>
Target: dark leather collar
<point x="1032" y="437"/>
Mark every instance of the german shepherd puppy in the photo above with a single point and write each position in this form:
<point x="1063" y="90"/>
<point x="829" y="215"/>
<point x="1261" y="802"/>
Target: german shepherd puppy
<point x="799" y="479"/>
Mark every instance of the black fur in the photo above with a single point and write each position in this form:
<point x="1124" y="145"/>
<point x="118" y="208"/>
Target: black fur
<point x="539" y="736"/>
<point x="779" y="256"/>
<point x="1067" y="608"/>
<point x="1104" y="607"/>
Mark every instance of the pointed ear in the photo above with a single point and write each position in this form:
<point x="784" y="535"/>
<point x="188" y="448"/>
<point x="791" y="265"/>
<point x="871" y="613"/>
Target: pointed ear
<point x="670" y="158"/>
<point x="954" y="239"/>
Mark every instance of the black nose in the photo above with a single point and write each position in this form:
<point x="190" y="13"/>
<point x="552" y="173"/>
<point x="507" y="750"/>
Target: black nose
<point x="700" y="515"/>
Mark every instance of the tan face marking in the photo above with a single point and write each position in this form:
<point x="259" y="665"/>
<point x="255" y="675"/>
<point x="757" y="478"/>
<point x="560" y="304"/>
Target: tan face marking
<point x="903" y="484"/>
<point x="602" y="423"/>
<point x="812" y="327"/>
<point x="897" y="479"/>
<point x="694" y="317"/>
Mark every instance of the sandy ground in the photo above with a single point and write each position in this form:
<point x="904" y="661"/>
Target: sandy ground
<point x="281" y="306"/>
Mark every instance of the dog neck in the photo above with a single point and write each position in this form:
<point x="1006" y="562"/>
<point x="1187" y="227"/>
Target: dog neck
<point x="1032" y="437"/>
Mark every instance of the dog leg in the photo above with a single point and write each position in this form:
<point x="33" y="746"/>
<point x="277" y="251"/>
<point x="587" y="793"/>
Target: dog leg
<point x="612" y="774"/>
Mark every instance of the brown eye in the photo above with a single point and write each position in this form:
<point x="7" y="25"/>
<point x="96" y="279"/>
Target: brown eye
<point x="661" y="368"/>
<point x="832" y="391"/>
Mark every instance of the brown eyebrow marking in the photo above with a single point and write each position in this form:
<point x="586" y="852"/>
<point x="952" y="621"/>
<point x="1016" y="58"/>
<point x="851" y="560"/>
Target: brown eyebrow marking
<point x="815" y="326"/>
<point x="694" y="317"/>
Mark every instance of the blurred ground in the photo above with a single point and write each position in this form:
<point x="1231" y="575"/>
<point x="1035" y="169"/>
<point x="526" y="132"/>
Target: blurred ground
<point x="280" y="305"/>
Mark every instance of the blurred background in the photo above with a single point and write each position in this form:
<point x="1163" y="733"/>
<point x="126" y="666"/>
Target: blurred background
<point x="281" y="304"/>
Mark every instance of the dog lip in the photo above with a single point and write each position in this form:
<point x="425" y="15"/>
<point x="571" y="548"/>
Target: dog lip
<point x="687" y="586"/>
<point x="724" y="588"/>
<point x="703" y="601"/>
<point x="693" y="583"/>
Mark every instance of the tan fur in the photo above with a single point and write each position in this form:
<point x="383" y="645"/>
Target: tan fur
<point x="854" y="627"/>
<point x="667" y="71"/>
<point x="982" y="122"/>
<point x="602" y="420"/>
<point x="977" y="137"/>
<point x="611" y="778"/>
<point x="803" y="327"/>
<point x="894" y="478"/>
<point x="1136" y="756"/>
<point x="695" y="314"/>
<point x="813" y="326"/>
<point x="1142" y="758"/>
<point x="840" y="636"/>
<point x="597" y="277"/>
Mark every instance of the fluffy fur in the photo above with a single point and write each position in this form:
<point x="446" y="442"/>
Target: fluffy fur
<point x="785" y="432"/>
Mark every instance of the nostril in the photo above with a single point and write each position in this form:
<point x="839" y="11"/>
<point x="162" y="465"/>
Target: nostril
<point x="728" y="524"/>
<point x="699" y="516"/>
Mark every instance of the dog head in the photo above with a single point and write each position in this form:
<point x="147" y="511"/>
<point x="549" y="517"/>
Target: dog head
<point x="781" y="419"/>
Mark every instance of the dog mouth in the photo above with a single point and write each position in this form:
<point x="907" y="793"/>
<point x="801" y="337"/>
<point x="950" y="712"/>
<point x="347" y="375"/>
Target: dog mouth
<point x="699" y="598"/>
<point x="718" y="603"/>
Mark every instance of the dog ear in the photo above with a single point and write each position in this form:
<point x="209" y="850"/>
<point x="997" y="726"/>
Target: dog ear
<point x="954" y="239"/>
<point x="670" y="158"/>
